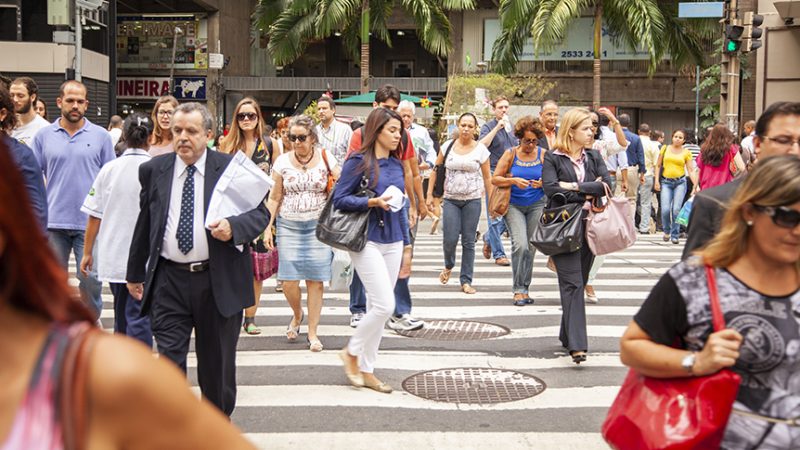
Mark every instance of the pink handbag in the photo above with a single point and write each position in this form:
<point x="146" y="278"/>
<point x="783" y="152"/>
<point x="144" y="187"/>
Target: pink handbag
<point x="610" y="228"/>
<point x="265" y="265"/>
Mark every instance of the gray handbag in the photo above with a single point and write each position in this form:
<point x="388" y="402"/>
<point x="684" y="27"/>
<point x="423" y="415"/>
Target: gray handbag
<point x="345" y="230"/>
<point x="560" y="228"/>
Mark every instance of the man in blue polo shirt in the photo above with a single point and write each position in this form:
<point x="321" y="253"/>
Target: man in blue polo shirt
<point x="71" y="152"/>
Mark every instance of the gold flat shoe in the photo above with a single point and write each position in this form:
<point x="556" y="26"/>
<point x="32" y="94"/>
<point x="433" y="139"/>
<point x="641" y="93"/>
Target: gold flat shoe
<point x="355" y="378"/>
<point x="380" y="386"/>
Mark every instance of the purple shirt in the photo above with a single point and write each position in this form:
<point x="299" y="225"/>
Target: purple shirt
<point x="70" y="165"/>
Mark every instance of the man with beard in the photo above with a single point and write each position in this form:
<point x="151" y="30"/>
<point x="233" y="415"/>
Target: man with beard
<point x="25" y="93"/>
<point x="71" y="152"/>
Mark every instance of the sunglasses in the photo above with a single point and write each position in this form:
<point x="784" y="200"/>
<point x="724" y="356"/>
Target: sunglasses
<point x="246" y="116"/>
<point x="298" y="137"/>
<point x="781" y="216"/>
<point x="530" y="141"/>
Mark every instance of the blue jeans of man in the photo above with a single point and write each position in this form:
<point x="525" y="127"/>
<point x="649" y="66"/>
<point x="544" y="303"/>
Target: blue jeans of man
<point x="492" y="236"/>
<point x="673" y="191"/>
<point x="128" y="318"/>
<point x="460" y="219"/>
<point x="66" y="241"/>
<point x="522" y="221"/>
<point x="402" y="294"/>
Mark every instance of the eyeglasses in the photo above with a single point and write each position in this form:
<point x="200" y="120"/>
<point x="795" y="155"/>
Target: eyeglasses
<point x="785" y="141"/>
<point x="298" y="137"/>
<point x="781" y="216"/>
<point x="246" y="116"/>
<point x="165" y="113"/>
<point x="530" y="141"/>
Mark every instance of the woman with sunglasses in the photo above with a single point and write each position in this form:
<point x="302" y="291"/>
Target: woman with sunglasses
<point x="467" y="180"/>
<point x="612" y="146"/>
<point x="521" y="168"/>
<point x="161" y="139"/>
<point x="297" y="199"/>
<point x="756" y="263"/>
<point x="247" y="135"/>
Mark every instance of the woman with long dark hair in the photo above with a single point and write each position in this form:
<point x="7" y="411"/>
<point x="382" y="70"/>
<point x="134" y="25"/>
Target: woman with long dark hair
<point x="161" y="139"/>
<point x="717" y="154"/>
<point x="126" y="390"/>
<point x="378" y="164"/>
<point x="248" y="135"/>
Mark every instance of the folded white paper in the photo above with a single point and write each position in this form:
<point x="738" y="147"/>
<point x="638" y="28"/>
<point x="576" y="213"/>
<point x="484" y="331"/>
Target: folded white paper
<point x="241" y="188"/>
<point x="397" y="198"/>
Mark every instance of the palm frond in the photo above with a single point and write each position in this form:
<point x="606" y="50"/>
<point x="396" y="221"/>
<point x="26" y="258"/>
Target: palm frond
<point x="639" y="23"/>
<point x="552" y="20"/>
<point x="458" y="5"/>
<point x="685" y="39"/>
<point x="266" y="12"/>
<point x="380" y="12"/>
<point x="433" y="26"/>
<point x="351" y="39"/>
<point x="291" y="31"/>
<point x="516" y="17"/>
<point x="332" y="15"/>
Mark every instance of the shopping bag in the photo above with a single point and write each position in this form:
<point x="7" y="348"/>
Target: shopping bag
<point x="341" y="270"/>
<point x="686" y="211"/>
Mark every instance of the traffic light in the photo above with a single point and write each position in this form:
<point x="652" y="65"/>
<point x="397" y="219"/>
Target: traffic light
<point x="752" y="33"/>
<point x="733" y="38"/>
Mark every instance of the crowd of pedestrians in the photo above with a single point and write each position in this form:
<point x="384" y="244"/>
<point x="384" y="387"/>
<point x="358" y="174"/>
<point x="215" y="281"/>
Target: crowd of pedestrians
<point x="137" y="220"/>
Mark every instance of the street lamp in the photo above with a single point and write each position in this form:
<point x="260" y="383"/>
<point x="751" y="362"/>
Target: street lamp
<point x="172" y="66"/>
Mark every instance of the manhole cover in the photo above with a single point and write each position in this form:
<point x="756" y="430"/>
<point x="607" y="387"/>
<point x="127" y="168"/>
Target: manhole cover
<point x="473" y="385"/>
<point x="457" y="330"/>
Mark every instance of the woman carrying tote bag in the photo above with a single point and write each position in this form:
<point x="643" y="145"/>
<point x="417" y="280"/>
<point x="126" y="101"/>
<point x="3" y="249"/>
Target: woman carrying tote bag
<point x="378" y="264"/>
<point x="578" y="173"/>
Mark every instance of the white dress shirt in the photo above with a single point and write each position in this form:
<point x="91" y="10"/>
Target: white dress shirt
<point x="169" y="248"/>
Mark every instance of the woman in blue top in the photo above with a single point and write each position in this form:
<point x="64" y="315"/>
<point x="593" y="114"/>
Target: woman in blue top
<point x="521" y="168"/>
<point x="378" y="264"/>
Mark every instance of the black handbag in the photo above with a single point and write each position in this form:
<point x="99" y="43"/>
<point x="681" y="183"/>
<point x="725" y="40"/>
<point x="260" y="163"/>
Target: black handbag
<point x="560" y="228"/>
<point x="345" y="230"/>
<point x="441" y="173"/>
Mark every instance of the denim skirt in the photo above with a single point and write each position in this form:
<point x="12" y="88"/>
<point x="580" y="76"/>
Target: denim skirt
<point x="301" y="255"/>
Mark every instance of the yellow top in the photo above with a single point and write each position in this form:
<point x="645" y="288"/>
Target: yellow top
<point x="674" y="164"/>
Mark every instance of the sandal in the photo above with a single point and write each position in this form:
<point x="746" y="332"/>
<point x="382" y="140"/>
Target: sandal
<point x="315" y="345"/>
<point x="250" y="326"/>
<point x="444" y="276"/>
<point x="467" y="289"/>
<point x="293" y="332"/>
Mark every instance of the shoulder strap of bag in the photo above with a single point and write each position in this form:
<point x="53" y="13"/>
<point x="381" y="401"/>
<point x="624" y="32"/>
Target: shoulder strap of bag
<point x="325" y="160"/>
<point x="447" y="150"/>
<point x="268" y="143"/>
<point x="716" y="310"/>
<point x="73" y="398"/>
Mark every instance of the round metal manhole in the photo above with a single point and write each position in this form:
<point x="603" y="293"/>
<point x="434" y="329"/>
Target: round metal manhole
<point x="457" y="330"/>
<point x="473" y="385"/>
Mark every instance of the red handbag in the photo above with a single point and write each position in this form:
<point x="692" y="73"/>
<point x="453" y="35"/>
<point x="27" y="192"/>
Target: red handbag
<point x="674" y="413"/>
<point x="265" y="265"/>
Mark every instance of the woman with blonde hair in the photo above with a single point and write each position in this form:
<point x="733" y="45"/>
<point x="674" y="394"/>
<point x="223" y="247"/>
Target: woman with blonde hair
<point x="247" y="135"/>
<point x="295" y="203"/>
<point x="161" y="139"/>
<point x="577" y="172"/>
<point x="755" y="262"/>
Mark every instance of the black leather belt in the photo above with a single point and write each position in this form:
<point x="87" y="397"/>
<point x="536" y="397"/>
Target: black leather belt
<point x="199" y="266"/>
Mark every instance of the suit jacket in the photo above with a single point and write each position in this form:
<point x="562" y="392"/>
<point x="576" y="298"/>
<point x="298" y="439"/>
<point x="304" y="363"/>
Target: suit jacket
<point x="231" y="271"/>
<point x="559" y="168"/>
<point x="543" y="142"/>
<point x="707" y="211"/>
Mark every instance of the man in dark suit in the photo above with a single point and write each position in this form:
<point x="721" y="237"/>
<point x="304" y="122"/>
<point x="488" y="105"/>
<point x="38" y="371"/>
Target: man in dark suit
<point x="548" y="115"/>
<point x="189" y="277"/>
<point x="777" y="133"/>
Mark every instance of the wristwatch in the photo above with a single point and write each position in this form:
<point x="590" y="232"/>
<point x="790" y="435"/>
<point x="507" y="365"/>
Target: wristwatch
<point x="688" y="362"/>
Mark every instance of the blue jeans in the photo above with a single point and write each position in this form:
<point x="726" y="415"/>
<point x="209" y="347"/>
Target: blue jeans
<point x="402" y="295"/>
<point x="522" y="221"/>
<point x="673" y="191"/>
<point x="66" y="241"/>
<point x="128" y="319"/>
<point x="460" y="218"/>
<point x="492" y="236"/>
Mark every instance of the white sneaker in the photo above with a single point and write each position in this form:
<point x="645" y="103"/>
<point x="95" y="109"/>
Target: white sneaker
<point x="356" y="318"/>
<point x="404" y="323"/>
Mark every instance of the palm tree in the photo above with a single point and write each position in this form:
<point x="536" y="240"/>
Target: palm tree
<point x="292" y="24"/>
<point x="648" y="24"/>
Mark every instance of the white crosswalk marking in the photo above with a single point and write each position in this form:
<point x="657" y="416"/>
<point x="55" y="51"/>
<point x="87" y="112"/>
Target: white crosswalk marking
<point x="292" y="398"/>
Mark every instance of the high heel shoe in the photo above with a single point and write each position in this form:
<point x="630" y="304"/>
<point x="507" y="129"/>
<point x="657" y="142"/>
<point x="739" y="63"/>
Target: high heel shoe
<point x="578" y="357"/>
<point x="356" y="378"/>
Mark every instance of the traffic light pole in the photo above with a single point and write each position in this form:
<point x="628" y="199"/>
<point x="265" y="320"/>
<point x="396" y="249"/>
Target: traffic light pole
<point x="729" y="78"/>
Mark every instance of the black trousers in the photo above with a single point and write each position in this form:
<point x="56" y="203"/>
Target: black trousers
<point x="183" y="301"/>
<point x="573" y="271"/>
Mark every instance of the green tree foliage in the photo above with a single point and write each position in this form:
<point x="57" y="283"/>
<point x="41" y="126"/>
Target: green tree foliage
<point x="521" y="89"/>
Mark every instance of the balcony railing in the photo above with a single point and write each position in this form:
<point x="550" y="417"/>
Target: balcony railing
<point x="349" y="84"/>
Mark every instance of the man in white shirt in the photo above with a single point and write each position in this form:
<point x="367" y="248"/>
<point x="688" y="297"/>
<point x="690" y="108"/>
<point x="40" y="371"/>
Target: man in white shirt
<point x="651" y="150"/>
<point x="333" y="135"/>
<point x="24" y="93"/>
<point x="748" y="147"/>
<point x="115" y="129"/>
<point x="421" y="139"/>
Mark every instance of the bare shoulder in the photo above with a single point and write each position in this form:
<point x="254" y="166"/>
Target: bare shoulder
<point x="131" y="391"/>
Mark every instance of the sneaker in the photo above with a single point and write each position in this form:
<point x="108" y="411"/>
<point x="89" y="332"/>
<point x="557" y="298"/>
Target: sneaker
<point x="404" y="323"/>
<point x="675" y="241"/>
<point x="356" y="318"/>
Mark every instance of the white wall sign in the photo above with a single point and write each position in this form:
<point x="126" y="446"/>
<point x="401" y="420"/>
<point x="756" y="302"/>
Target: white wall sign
<point x="216" y="60"/>
<point x="577" y="44"/>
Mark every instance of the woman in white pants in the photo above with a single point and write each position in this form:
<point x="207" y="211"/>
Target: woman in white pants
<point x="378" y="165"/>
